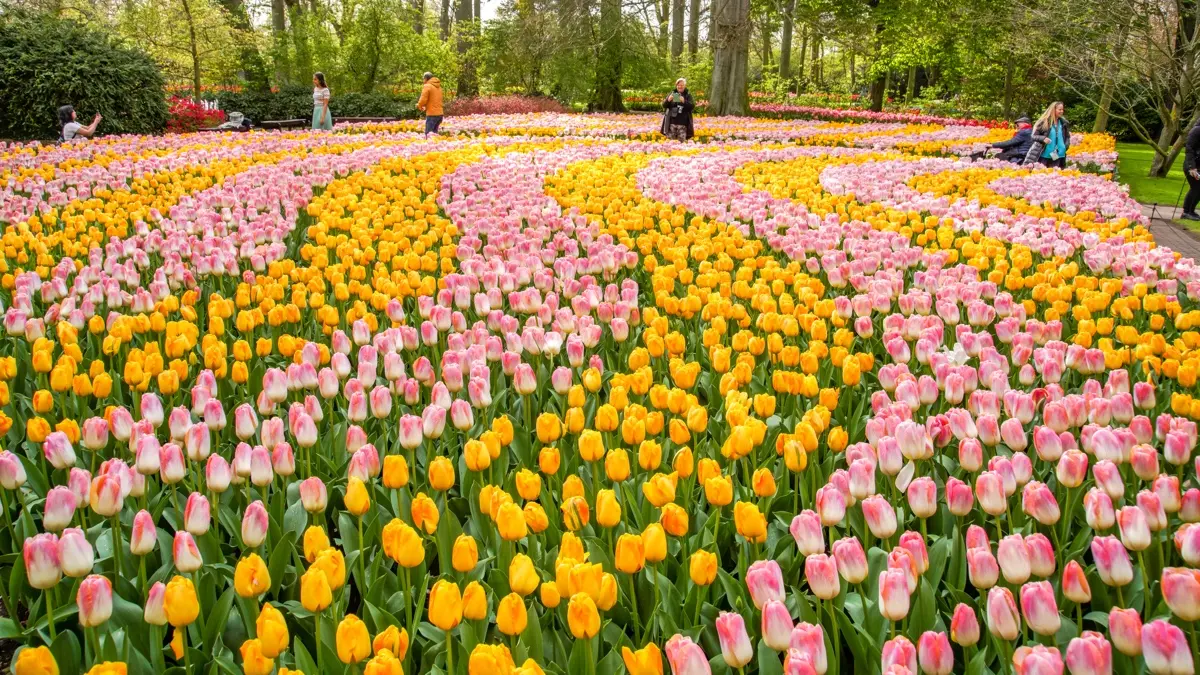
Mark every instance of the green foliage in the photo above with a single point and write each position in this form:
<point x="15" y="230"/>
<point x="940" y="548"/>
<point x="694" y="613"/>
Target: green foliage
<point x="47" y="62"/>
<point x="164" y="28"/>
<point x="295" y="101"/>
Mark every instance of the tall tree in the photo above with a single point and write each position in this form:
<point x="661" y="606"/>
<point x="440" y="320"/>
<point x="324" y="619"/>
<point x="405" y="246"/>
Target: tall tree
<point x="785" y="40"/>
<point x="464" y="28"/>
<point x="444" y="21"/>
<point x="729" y="93"/>
<point x="676" y="32"/>
<point x="606" y="94"/>
<point x="693" y="28"/>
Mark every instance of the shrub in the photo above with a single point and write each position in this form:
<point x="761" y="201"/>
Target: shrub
<point x="46" y="62"/>
<point x="295" y="102"/>
<point x="186" y="116"/>
<point x="504" y="105"/>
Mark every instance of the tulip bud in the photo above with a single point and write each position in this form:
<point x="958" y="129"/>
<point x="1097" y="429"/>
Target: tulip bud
<point x="1165" y="649"/>
<point x="95" y="601"/>
<point x="736" y="649"/>
<point x="776" y="625"/>
<point x="964" y="626"/>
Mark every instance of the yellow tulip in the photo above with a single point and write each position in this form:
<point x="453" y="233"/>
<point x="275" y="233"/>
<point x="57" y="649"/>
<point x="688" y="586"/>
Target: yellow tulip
<point x="645" y="661"/>
<point x="445" y="605"/>
<point x="511" y="615"/>
<point x="582" y="617"/>
<point x="272" y="631"/>
<point x="702" y="567"/>
<point x="474" y="602"/>
<point x="522" y="577"/>
<point x="180" y="603"/>
<point x="630" y="556"/>
<point x="251" y="577"/>
<point x="465" y="555"/>
<point x="254" y="661"/>
<point x="353" y="640"/>
<point x="315" y="594"/>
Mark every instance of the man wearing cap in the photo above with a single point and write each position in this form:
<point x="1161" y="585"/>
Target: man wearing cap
<point x="430" y="103"/>
<point x="1015" y="148"/>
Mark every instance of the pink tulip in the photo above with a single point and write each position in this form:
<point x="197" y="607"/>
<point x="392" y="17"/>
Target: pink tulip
<point x="186" y="554"/>
<point x="1108" y="478"/>
<point x="686" y="657"/>
<point x="735" y="642"/>
<point x="154" y="614"/>
<point x="143" y="535"/>
<point x="1089" y="654"/>
<point x="42" y="566"/>
<point x="58" y="451"/>
<point x="982" y="568"/>
<point x="1166" y="650"/>
<point x="806" y="530"/>
<point x="935" y="654"/>
<point x="95" y="601"/>
<point x="75" y="553"/>
<point x="851" y="560"/>
<point x="121" y="423"/>
<point x="922" y="497"/>
<point x="313" y="495"/>
<point x="1125" y="629"/>
<point x="880" y="516"/>
<point x="59" y="508"/>
<point x="1075" y="584"/>
<point x="245" y="422"/>
<point x="821" y="573"/>
<point x="1167" y="489"/>
<point x="1098" y="510"/>
<point x="105" y="495"/>
<point x="764" y="579"/>
<point x="776" y="625"/>
<point x="217" y="474"/>
<point x="796" y="662"/>
<point x="1038" y="502"/>
<point x="964" y="626"/>
<point x="1181" y="590"/>
<point x="1042" y="557"/>
<point x="1037" y="660"/>
<point x="893" y="595"/>
<point x="970" y="454"/>
<point x="989" y="490"/>
<point x="959" y="498"/>
<point x="899" y="652"/>
<point x="95" y="433"/>
<point x="1135" y="530"/>
<point x="830" y="505"/>
<point x="198" y="440"/>
<point x="1187" y="540"/>
<point x="171" y="469"/>
<point x="255" y="523"/>
<point x="1151" y="507"/>
<point x="1013" y="557"/>
<point x="1040" y="608"/>
<point x="1189" y="504"/>
<point x="1112" y="561"/>
<point x="809" y="640"/>
<point x="1002" y="618"/>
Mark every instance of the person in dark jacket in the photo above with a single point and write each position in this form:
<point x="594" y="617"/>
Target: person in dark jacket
<point x="677" y="120"/>
<point x="1191" y="171"/>
<point x="1051" y="138"/>
<point x="1015" y="148"/>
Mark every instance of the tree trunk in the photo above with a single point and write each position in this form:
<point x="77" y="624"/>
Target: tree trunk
<point x="676" y="32"/>
<point x="1009" y="70"/>
<point x="278" y="32"/>
<point x="299" y="24"/>
<point x="693" y="28"/>
<point x="728" y="94"/>
<point x="607" y="94"/>
<point x="444" y="21"/>
<point x="765" y="30"/>
<point x="878" y="92"/>
<point x="418" y="7"/>
<point x="785" y="41"/>
<point x="467" y="83"/>
<point x="816" y="59"/>
<point x="800" y="67"/>
<point x="194" y="48"/>
<point x="664" y="25"/>
<point x="853" y="72"/>
<point x="911" y="88"/>
<point x="1106" y="92"/>
<point x="1164" y="149"/>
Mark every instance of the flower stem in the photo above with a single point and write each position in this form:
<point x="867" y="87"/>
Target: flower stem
<point x="449" y="652"/>
<point x="50" y="615"/>
<point x="317" y="618"/>
<point x="116" y="539"/>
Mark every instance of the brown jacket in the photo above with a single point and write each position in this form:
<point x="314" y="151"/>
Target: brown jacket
<point x="431" y="97"/>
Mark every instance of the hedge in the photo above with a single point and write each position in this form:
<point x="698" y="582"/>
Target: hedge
<point x="46" y="62"/>
<point x="293" y="102"/>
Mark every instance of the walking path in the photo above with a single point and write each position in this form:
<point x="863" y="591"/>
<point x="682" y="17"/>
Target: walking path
<point x="1170" y="234"/>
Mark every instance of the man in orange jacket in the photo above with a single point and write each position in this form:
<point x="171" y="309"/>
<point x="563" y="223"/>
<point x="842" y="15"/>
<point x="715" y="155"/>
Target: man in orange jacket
<point x="430" y="103"/>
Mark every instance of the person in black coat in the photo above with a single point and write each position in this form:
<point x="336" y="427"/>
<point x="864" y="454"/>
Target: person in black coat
<point x="1191" y="171"/>
<point x="677" y="120"/>
<point x="1015" y="148"/>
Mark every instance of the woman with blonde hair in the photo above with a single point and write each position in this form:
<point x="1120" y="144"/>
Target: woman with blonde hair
<point x="677" y="120"/>
<point x="1051" y="138"/>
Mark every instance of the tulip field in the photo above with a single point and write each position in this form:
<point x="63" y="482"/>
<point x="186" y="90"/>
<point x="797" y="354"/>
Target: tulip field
<point x="549" y="394"/>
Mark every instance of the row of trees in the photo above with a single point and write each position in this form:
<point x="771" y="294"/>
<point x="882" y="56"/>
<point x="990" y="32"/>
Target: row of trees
<point x="1129" y="65"/>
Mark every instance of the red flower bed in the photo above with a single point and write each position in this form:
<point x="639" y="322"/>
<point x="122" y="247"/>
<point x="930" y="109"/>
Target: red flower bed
<point x="185" y="116"/>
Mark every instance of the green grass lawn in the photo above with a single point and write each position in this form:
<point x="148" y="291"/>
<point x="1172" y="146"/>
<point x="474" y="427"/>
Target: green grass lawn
<point x="1133" y="163"/>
